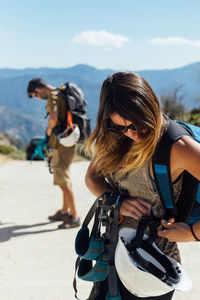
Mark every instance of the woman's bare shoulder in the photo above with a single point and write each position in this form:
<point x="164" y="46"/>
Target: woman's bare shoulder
<point x="185" y="155"/>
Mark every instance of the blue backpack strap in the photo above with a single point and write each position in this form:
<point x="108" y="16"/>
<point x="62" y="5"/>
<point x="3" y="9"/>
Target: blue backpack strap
<point x="161" y="165"/>
<point x="193" y="131"/>
<point x="188" y="203"/>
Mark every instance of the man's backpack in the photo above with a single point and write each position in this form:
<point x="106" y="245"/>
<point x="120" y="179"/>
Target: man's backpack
<point x="77" y="106"/>
<point x="187" y="207"/>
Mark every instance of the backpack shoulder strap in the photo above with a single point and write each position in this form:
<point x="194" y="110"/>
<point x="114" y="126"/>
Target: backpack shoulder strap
<point x="161" y="165"/>
<point x="188" y="204"/>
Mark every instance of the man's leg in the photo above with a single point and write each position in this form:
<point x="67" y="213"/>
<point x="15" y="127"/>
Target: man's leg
<point x="71" y="220"/>
<point x="68" y="200"/>
<point x="68" y="205"/>
<point x="61" y="162"/>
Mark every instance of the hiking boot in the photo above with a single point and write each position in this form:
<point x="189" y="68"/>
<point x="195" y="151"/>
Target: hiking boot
<point x="58" y="216"/>
<point x="70" y="222"/>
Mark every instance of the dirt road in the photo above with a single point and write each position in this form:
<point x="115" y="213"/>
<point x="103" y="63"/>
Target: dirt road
<point x="36" y="259"/>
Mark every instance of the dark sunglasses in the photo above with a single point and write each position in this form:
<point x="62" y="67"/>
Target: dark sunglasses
<point x="121" y="129"/>
<point x="36" y="94"/>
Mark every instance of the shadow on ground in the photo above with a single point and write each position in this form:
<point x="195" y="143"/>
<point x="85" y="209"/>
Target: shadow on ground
<point x="6" y="233"/>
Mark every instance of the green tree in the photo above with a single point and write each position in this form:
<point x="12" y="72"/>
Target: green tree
<point x="193" y="116"/>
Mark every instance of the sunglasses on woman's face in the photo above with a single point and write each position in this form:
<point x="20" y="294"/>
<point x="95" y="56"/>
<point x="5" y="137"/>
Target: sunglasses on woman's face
<point x="121" y="129"/>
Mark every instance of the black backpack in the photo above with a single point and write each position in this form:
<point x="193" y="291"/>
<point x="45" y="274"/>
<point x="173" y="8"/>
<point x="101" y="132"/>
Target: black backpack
<point x="77" y="105"/>
<point x="187" y="207"/>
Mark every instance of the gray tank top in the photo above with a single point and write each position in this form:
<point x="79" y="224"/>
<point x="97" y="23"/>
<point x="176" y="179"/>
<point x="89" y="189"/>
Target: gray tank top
<point x="140" y="184"/>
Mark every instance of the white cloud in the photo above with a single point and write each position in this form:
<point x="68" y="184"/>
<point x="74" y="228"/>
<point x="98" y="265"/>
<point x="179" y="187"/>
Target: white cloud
<point x="175" y="41"/>
<point x="100" y="38"/>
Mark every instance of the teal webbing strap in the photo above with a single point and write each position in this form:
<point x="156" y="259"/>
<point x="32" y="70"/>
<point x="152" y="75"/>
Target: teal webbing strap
<point x="113" y="291"/>
<point x="163" y="181"/>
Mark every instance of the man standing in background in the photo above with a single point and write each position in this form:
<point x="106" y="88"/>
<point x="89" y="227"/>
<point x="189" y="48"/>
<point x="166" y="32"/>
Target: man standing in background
<point x="56" y="108"/>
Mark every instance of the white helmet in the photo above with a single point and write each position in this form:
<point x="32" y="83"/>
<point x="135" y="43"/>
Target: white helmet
<point x="145" y="271"/>
<point x="70" y="137"/>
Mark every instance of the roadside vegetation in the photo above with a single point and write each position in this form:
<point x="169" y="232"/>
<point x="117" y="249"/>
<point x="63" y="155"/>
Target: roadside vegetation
<point x="12" y="153"/>
<point x="173" y="106"/>
<point x="11" y="148"/>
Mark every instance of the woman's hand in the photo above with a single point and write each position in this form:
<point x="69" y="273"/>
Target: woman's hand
<point x="135" y="208"/>
<point x="175" y="232"/>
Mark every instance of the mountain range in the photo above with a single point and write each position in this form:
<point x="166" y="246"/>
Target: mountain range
<point x="23" y="118"/>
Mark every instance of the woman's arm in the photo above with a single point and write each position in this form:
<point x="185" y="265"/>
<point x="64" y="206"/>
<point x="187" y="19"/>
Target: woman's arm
<point x="185" y="155"/>
<point x="94" y="182"/>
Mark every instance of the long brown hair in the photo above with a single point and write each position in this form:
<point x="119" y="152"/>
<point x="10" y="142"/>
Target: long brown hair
<point x="131" y="97"/>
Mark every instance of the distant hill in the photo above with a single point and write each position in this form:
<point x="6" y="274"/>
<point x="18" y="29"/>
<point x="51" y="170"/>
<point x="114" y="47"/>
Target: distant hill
<point x="7" y="140"/>
<point x="20" y="125"/>
<point x="23" y="117"/>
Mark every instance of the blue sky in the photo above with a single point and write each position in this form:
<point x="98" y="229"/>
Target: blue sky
<point x="114" y="34"/>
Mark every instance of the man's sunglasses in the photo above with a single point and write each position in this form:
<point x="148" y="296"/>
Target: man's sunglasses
<point x="121" y="129"/>
<point x="36" y="94"/>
